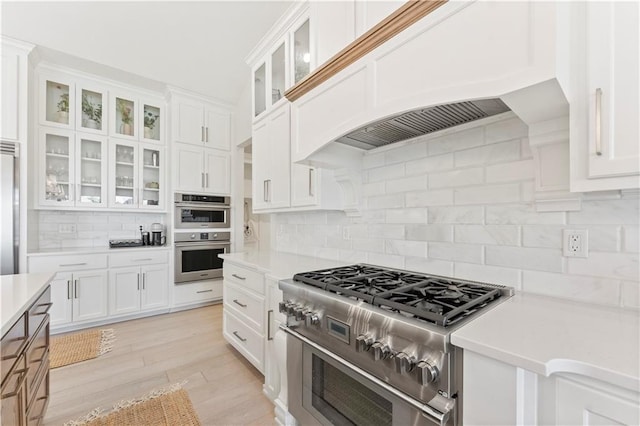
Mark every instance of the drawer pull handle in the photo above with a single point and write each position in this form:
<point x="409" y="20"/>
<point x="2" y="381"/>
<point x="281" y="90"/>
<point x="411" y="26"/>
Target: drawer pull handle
<point x="204" y="291"/>
<point x="48" y="306"/>
<point x="269" y="313"/>
<point x="69" y="289"/>
<point x="142" y="260"/>
<point x="598" y="121"/>
<point x="73" y="264"/>
<point x="19" y="383"/>
<point x="238" y="303"/>
<point x="238" y="277"/>
<point x="235" y="333"/>
<point x="19" y="350"/>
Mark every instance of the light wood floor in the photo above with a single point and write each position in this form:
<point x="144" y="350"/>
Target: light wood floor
<point x="153" y="352"/>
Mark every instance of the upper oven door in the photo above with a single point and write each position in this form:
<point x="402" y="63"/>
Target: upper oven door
<point x="324" y="389"/>
<point x="189" y="216"/>
<point x="198" y="261"/>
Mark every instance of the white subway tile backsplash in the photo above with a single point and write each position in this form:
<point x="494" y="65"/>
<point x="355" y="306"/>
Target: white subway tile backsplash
<point x="507" y="172"/>
<point x="604" y="238"/>
<point x="525" y="149"/>
<point x="442" y="233"/>
<point x="371" y="160"/>
<point x="494" y="153"/>
<point x="352" y="256"/>
<point x="417" y="149"/>
<point x="385" y="201"/>
<point x="493" y="194"/>
<point x="618" y="265"/>
<point x="630" y="297"/>
<point x="462" y="177"/>
<point x="504" y="130"/>
<point x="631" y="238"/>
<point x="468" y="253"/>
<point x="537" y="259"/>
<point x="429" y="266"/>
<point x="408" y="215"/>
<point x="386" y="172"/>
<point x="406" y="248"/>
<point x="575" y="287"/>
<point x="388" y="260"/>
<point x="542" y="236"/>
<point x="369" y="245"/>
<point x="429" y="164"/>
<point x="519" y="214"/>
<point x="436" y="197"/>
<point x="507" y="235"/>
<point x="386" y="231"/>
<point x="456" y="215"/>
<point x="456" y="141"/>
<point x="489" y="274"/>
<point x="607" y="212"/>
<point x="371" y="189"/>
<point x="413" y="183"/>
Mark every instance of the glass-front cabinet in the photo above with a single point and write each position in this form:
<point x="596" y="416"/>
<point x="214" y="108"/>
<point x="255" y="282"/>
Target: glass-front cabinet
<point x="91" y="171"/>
<point x="151" y="122"/>
<point x="301" y="54"/>
<point x="151" y="176"/>
<point x="57" y="94"/>
<point x="260" y="89"/>
<point x="124" y="116"/>
<point x="278" y="73"/>
<point x="91" y="109"/>
<point x="56" y="182"/>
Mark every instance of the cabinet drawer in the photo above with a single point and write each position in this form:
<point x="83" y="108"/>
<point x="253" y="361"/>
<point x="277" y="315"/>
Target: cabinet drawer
<point x="13" y="399"/>
<point x="38" y="312"/>
<point x="37" y="357"/>
<point x="12" y="345"/>
<point x="38" y="405"/>
<point x="248" y="306"/>
<point x="138" y="258"/>
<point x="203" y="291"/>
<point x="78" y="262"/>
<point x="244" y="339"/>
<point x="244" y="277"/>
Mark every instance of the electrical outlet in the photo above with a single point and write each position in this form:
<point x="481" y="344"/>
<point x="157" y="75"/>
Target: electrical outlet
<point x="575" y="243"/>
<point x="67" y="228"/>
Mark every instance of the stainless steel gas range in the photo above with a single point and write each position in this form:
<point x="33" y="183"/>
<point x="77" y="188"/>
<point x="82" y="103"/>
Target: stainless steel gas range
<point x="368" y="345"/>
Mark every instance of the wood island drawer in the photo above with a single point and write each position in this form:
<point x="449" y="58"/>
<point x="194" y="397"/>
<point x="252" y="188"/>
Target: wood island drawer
<point x="244" y="339"/>
<point x="244" y="277"/>
<point x="138" y="258"/>
<point x="38" y="311"/>
<point x="248" y="306"/>
<point x="12" y="345"/>
<point x="37" y="358"/>
<point x="37" y="407"/>
<point x="77" y="262"/>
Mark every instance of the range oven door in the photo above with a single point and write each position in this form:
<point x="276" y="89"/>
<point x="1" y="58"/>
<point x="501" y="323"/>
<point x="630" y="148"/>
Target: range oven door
<point x="324" y="389"/>
<point x="196" y="261"/>
<point x="198" y="216"/>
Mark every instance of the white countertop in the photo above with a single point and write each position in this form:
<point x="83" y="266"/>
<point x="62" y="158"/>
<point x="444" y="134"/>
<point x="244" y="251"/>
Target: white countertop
<point x="279" y="265"/>
<point x="546" y="335"/>
<point x="17" y="292"/>
<point x="93" y="250"/>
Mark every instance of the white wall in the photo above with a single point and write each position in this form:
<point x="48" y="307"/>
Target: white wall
<point x="462" y="205"/>
<point x="242" y="116"/>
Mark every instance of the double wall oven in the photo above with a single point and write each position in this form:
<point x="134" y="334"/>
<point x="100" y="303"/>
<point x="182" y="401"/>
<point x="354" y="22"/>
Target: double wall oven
<point x="201" y="222"/>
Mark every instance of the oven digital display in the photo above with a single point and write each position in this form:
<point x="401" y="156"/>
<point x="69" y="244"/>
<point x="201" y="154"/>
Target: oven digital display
<point x="338" y="329"/>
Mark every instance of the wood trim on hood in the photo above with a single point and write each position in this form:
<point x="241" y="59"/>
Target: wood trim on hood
<point x="399" y="20"/>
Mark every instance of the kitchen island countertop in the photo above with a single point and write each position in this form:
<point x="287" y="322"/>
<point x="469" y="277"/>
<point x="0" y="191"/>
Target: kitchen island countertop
<point x="17" y="292"/>
<point x="547" y="335"/>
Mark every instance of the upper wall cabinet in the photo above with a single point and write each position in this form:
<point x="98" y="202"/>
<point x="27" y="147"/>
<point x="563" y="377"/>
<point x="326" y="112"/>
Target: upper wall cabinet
<point x="201" y="123"/>
<point x="91" y="104"/>
<point x="605" y="92"/>
<point x="57" y="94"/>
<point x="14" y="75"/>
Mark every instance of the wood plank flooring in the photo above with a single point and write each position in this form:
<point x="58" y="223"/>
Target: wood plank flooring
<point x="153" y="352"/>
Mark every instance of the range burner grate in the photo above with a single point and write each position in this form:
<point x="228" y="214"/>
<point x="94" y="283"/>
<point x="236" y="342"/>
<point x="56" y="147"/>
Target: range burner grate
<point x="440" y="300"/>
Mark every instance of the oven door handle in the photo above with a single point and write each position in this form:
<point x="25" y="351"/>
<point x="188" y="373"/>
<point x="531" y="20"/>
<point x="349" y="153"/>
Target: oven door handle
<point x="427" y="411"/>
<point x="200" y="244"/>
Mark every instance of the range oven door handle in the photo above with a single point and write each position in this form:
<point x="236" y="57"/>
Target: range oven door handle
<point x="210" y="244"/>
<point x="427" y="411"/>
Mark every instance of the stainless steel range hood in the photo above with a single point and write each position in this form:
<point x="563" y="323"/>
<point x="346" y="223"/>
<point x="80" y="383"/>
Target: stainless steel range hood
<point x="420" y="122"/>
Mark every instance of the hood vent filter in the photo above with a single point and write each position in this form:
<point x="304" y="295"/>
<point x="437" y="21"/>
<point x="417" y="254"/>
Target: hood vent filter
<point x="421" y="122"/>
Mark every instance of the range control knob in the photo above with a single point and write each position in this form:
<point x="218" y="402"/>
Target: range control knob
<point x="312" y="318"/>
<point x="380" y="351"/>
<point x="428" y="373"/>
<point x="300" y="313"/>
<point x="283" y="306"/>
<point x="363" y="343"/>
<point x="404" y="363"/>
<point x="291" y="309"/>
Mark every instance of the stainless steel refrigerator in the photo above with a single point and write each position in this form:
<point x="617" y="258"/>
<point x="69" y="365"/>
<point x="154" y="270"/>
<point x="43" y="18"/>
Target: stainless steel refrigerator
<point x="9" y="207"/>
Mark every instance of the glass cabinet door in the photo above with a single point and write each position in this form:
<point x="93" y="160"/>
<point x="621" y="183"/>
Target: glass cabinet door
<point x="57" y="151"/>
<point x="278" y="67"/>
<point x="151" y="177"/>
<point x="91" y="171"/>
<point x="124" y="118"/>
<point x="123" y="177"/>
<point x="56" y="102"/>
<point x="259" y="90"/>
<point x="301" y="52"/>
<point x="91" y="111"/>
<point x="151" y="122"/>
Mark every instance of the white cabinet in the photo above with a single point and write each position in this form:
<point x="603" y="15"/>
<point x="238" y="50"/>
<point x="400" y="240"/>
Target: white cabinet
<point x="271" y="160"/>
<point x="56" y="98"/>
<point x="369" y="13"/>
<point x="136" y="175"/>
<point x="605" y="96"/>
<point x="272" y="373"/>
<point x="201" y="170"/>
<point x="333" y="26"/>
<point x="244" y="312"/>
<point x="91" y="108"/>
<point x="78" y="296"/>
<point x="199" y="292"/>
<point x="200" y="123"/>
<point x="73" y="169"/>
<point x="14" y="75"/>
<point x="134" y="289"/>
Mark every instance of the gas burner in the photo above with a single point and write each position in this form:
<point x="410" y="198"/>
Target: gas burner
<point x="432" y="298"/>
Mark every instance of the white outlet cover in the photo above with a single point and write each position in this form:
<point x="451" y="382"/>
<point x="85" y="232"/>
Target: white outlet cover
<point x="575" y="243"/>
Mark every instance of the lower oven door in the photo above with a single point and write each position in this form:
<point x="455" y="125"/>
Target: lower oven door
<point x="198" y="261"/>
<point x="324" y="389"/>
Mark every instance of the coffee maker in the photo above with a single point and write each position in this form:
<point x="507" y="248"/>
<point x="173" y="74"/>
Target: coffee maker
<point x="157" y="234"/>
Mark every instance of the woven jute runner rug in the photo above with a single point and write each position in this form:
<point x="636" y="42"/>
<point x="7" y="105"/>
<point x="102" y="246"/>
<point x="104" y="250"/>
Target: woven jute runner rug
<point x="82" y="346"/>
<point x="169" y="406"/>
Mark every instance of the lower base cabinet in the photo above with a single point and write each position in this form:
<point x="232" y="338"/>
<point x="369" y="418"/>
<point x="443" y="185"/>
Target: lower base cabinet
<point x="197" y="292"/>
<point x="272" y="373"/>
<point x="246" y="340"/>
<point x="136" y="289"/>
<point x="79" y="296"/>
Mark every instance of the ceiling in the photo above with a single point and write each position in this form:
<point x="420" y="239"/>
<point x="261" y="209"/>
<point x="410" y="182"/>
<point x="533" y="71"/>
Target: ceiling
<point x="198" y="46"/>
